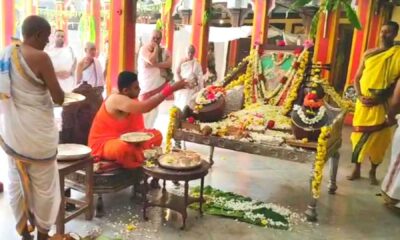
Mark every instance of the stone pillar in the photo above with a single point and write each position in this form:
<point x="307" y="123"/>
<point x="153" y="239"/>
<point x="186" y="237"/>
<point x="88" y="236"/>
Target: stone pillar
<point x="200" y="30"/>
<point x="260" y="22"/>
<point x="121" y="40"/>
<point x="325" y="39"/>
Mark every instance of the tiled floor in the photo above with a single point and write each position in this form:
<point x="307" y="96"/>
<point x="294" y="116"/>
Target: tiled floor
<point x="355" y="212"/>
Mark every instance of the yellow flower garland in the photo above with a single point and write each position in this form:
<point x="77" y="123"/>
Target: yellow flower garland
<point x="172" y="116"/>
<point x="298" y="79"/>
<point x="345" y="104"/>
<point x="248" y="81"/>
<point x="320" y="159"/>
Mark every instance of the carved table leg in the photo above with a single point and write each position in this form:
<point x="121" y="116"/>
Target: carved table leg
<point x="99" y="206"/>
<point x="212" y="155"/>
<point x="184" y="213"/>
<point x="178" y="144"/>
<point x="311" y="212"/>
<point x="334" y="164"/>
<point x="144" y="195"/>
<point x="201" y="196"/>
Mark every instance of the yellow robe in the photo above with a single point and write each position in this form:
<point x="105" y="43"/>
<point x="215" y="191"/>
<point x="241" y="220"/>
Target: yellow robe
<point x="382" y="69"/>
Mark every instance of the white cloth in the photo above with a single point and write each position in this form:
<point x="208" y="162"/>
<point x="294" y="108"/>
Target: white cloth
<point x="149" y="77"/>
<point x="93" y="74"/>
<point x="27" y="127"/>
<point x="150" y="118"/>
<point x="391" y="182"/>
<point x="63" y="59"/>
<point x="190" y="71"/>
<point x="45" y="192"/>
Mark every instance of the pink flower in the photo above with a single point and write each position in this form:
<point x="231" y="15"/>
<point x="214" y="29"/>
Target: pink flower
<point x="281" y="43"/>
<point x="191" y="120"/>
<point x="308" y="43"/>
<point x="270" y="124"/>
<point x="211" y="96"/>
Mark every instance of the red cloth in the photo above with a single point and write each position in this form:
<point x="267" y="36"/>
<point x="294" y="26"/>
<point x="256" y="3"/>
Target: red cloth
<point x="105" y="143"/>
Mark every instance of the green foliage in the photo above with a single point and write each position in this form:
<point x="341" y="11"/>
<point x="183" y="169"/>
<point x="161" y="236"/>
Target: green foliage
<point x="299" y="3"/>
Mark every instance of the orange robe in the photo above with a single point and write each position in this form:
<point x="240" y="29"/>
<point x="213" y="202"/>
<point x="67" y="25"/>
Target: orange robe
<point x="105" y="143"/>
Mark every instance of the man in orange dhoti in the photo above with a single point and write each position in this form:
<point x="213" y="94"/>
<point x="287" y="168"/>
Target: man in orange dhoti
<point x="122" y="113"/>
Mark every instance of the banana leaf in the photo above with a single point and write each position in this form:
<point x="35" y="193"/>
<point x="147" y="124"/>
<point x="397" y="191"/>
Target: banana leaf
<point x="314" y="23"/>
<point x="351" y="14"/>
<point x="299" y="3"/>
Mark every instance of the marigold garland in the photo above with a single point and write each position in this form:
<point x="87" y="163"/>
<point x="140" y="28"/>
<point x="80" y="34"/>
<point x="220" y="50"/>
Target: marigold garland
<point x="345" y="104"/>
<point x="298" y="79"/>
<point x="171" y="126"/>
<point x="320" y="159"/>
<point x="248" y="81"/>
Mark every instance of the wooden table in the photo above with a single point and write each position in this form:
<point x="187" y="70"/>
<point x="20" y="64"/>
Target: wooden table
<point x="172" y="201"/>
<point x="68" y="167"/>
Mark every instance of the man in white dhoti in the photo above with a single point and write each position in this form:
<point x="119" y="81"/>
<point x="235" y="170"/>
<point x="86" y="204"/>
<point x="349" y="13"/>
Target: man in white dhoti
<point x="391" y="183"/>
<point x="28" y="88"/>
<point x="64" y="62"/>
<point x="189" y="69"/>
<point x="153" y="65"/>
<point x="89" y="68"/>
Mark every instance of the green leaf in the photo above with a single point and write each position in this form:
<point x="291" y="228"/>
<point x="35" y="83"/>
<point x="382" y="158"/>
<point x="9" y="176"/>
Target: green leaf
<point x="351" y="14"/>
<point x="336" y="5"/>
<point x="329" y="4"/>
<point x="299" y="3"/>
<point x="159" y="25"/>
<point x="168" y="6"/>
<point x="314" y="24"/>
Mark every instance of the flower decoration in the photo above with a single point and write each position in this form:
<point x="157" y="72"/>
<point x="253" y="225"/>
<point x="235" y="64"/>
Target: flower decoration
<point x="270" y="124"/>
<point x="281" y="43"/>
<point x="320" y="158"/>
<point x="191" y="120"/>
<point x="308" y="44"/>
<point x="171" y="128"/>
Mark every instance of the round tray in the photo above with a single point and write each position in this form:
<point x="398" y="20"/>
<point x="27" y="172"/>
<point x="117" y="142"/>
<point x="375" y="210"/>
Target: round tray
<point x="176" y="161"/>
<point x="136" y="137"/>
<point x="70" y="98"/>
<point x="70" y="151"/>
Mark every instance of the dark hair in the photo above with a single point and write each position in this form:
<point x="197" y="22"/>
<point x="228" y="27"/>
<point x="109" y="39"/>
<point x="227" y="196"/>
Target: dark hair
<point x="125" y="79"/>
<point x="34" y="24"/>
<point x="394" y="26"/>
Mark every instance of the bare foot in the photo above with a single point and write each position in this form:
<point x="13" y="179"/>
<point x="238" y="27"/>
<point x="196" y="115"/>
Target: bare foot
<point x="354" y="176"/>
<point x="372" y="178"/>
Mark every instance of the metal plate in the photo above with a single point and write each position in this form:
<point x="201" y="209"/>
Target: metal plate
<point x="70" y="98"/>
<point x="136" y="137"/>
<point x="72" y="151"/>
<point x="182" y="160"/>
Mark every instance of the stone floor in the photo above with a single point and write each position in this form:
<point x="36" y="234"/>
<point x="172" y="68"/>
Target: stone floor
<point x="355" y="212"/>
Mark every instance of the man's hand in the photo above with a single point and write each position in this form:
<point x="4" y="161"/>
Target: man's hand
<point x="179" y="85"/>
<point x="369" y="102"/>
<point x="63" y="75"/>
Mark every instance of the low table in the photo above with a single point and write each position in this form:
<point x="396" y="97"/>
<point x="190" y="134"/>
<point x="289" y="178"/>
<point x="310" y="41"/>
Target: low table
<point x="173" y="201"/>
<point x="69" y="167"/>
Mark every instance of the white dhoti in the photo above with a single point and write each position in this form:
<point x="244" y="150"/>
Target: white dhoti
<point x="391" y="182"/>
<point x="190" y="71"/>
<point x="29" y="136"/>
<point x="63" y="60"/>
<point x="93" y="74"/>
<point x="150" y="82"/>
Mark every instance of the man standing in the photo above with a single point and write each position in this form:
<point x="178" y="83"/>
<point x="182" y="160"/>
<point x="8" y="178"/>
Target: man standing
<point x="89" y="68"/>
<point x="374" y="84"/>
<point x="153" y="68"/>
<point x="64" y="62"/>
<point x="28" y="88"/>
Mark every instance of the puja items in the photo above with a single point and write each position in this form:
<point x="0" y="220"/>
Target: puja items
<point x="209" y="104"/>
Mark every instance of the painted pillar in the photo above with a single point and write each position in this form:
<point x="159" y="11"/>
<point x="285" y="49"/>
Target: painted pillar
<point x="8" y="23"/>
<point x="260" y="22"/>
<point x="234" y="44"/>
<point x="62" y="19"/>
<point x="168" y="30"/>
<point x="185" y="15"/>
<point x="325" y="39"/>
<point x="122" y="40"/>
<point x="200" y="30"/>
<point x="95" y="11"/>
<point x="367" y="37"/>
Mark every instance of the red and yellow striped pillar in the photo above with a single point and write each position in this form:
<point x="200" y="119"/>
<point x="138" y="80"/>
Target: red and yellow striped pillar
<point x="30" y="7"/>
<point x="168" y="19"/>
<point x="326" y="39"/>
<point x="8" y="21"/>
<point x="367" y="37"/>
<point x="200" y="30"/>
<point x="95" y="11"/>
<point x="260" y="22"/>
<point x="121" y="55"/>
<point x="62" y="19"/>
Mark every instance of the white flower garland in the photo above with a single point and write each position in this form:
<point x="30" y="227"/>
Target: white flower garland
<point x="307" y="120"/>
<point x="202" y="100"/>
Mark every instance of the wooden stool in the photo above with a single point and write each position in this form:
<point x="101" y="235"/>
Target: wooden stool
<point x="68" y="167"/>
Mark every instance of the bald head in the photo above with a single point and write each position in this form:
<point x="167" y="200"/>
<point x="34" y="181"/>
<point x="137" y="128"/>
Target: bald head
<point x="33" y="25"/>
<point x="156" y="37"/>
<point x="90" y="50"/>
<point x="191" y="50"/>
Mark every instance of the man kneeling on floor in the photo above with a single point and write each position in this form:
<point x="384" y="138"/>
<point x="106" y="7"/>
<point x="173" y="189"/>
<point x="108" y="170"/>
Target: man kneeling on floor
<point x="121" y="113"/>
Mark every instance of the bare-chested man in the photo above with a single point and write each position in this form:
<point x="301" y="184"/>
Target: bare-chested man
<point x="28" y="132"/>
